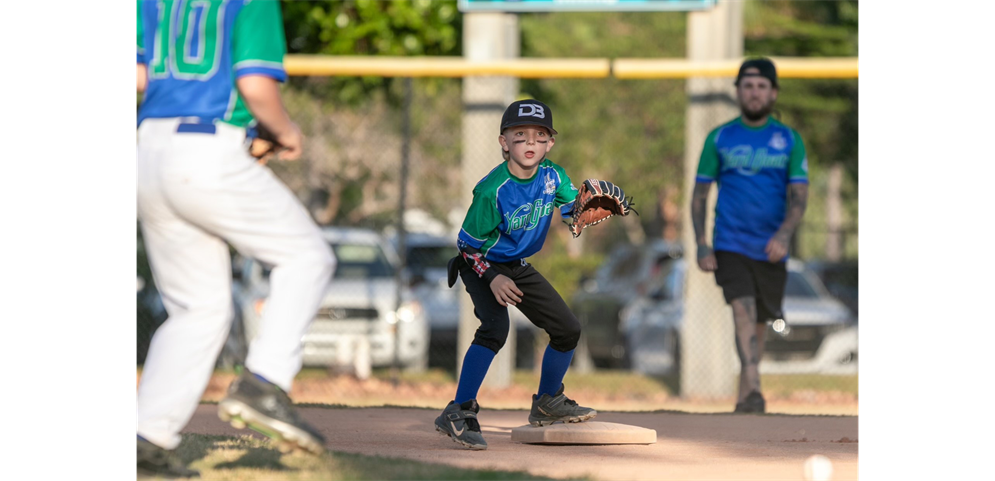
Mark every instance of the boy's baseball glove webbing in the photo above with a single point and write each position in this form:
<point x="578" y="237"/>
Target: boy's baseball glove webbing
<point x="596" y="201"/>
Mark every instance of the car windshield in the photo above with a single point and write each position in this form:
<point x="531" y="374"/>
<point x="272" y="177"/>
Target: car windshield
<point x="360" y="261"/>
<point x="798" y="286"/>
<point x="625" y="265"/>
<point x="354" y="261"/>
<point x="428" y="257"/>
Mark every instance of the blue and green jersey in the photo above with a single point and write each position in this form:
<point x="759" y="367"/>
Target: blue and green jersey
<point x="509" y="217"/>
<point x="753" y="167"/>
<point x="195" y="50"/>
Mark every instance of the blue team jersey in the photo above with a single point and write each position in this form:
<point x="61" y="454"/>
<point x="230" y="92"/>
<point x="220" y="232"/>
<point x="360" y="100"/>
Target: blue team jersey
<point x="509" y="217"/>
<point x="753" y="167"/>
<point x="195" y="50"/>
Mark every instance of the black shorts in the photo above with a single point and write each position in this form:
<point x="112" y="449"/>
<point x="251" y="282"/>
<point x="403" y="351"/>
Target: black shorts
<point x="741" y="276"/>
<point x="541" y="304"/>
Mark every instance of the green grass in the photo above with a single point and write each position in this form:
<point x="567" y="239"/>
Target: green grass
<point x="246" y="458"/>
<point x="608" y="381"/>
<point x="785" y="384"/>
<point x="629" y="383"/>
<point x="605" y="381"/>
<point x="432" y="376"/>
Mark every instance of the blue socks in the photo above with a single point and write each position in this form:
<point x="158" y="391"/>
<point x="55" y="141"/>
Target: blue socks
<point x="475" y="365"/>
<point x="554" y="367"/>
<point x="478" y="360"/>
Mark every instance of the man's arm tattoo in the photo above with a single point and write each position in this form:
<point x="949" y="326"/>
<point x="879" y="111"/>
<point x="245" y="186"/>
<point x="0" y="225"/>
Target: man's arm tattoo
<point x="797" y="202"/>
<point x="699" y="203"/>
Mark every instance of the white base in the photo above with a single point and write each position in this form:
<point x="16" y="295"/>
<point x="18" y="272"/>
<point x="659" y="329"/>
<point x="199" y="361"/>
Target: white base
<point x="590" y="432"/>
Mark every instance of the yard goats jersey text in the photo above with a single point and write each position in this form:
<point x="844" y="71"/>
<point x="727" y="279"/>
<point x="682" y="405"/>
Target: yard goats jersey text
<point x="195" y="50"/>
<point x="753" y="167"/>
<point x="509" y="217"/>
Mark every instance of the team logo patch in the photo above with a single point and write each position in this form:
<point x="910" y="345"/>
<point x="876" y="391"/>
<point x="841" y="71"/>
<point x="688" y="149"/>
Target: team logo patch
<point x="550" y="185"/>
<point x="777" y="141"/>
<point x="531" y="110"/>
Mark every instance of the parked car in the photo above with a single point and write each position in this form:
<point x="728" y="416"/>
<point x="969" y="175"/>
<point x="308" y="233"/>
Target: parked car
<point x="427" y="257"/>
<point x="627" y="273"/>
<point x="840" y="279"/>
<point x="359" y="307"/>
<point x="638" y="326"/>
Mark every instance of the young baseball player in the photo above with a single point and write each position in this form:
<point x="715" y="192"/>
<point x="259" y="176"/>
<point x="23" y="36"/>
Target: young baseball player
<point x="506" y="223"/>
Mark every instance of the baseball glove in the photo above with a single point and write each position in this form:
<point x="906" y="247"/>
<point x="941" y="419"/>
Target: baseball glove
<point x="264" y="145"/>
<point x="596" y="201"/>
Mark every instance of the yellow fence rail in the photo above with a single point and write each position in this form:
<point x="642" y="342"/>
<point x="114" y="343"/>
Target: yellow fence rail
<point x="622" y="68"/>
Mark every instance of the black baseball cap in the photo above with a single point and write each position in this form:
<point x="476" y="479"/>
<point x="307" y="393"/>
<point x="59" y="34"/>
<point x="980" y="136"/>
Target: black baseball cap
<point x="763" y="65"/>
<point x="528" y="112"/>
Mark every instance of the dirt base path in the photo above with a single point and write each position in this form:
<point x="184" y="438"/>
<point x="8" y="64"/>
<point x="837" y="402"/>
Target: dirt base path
<point x="689" y="446"/>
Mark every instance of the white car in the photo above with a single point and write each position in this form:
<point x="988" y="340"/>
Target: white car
<point x="359" y="311"/>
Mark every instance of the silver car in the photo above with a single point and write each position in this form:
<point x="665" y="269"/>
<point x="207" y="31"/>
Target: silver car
<point x="359" y="312"/>
<point x="819" y="335"/>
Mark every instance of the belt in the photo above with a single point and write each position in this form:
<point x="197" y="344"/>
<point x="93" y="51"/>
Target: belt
<point x="196" y="128"/>
<point x="517" y="262"/>
<point x="452" y="268"/>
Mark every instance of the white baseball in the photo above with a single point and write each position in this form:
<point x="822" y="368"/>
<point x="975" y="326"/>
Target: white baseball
<point x="818" y="468"/>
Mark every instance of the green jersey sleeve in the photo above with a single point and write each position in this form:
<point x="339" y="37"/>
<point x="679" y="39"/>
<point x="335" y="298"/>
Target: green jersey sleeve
<point x="141" y="35"/>
<point x="565" y="192"/>
<point x="708" y="163"/>
<point x="798" y="162"/>
<point x="258" y="43"/>
<point x="482" y="218"/>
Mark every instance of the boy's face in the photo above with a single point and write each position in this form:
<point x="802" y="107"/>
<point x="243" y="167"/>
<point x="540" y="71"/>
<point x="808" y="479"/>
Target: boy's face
<point x="527" y="145"/>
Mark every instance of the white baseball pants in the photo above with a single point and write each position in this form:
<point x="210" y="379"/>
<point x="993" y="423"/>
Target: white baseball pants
<point x="196" y="191"/>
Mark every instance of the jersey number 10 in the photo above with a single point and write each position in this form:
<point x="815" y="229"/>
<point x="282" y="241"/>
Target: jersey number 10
<point x="192" y="38"/>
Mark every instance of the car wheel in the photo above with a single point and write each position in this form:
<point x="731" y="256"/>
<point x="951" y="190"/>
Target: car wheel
<point x="848" y="358"/>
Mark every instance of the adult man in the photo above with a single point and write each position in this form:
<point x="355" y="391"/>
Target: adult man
<point x="762" y="172"/>
<point x="210" y="71"/>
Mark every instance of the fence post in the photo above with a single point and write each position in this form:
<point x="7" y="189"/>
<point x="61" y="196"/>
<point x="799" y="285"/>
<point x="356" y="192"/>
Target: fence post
<point x="708" y="366"/>
<point x="402" y="236"/>
<point x="486" y="36"/>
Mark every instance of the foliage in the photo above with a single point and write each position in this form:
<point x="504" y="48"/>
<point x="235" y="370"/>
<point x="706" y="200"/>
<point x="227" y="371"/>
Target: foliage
<point x="823" y="111"/>
<point x="370" y="28"/>
<point x="636" y="130"/>
<point x="634" y="135"/>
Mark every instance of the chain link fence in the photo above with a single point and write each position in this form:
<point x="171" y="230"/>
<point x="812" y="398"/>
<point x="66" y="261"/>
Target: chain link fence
<point x="364" y="162"/>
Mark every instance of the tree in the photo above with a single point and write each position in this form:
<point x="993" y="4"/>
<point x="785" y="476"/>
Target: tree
<point x="370" y="28"/>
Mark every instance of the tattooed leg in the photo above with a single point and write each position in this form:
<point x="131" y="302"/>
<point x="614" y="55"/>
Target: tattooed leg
<point x="744" y="314"/>
<point x="761" y="340"/>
